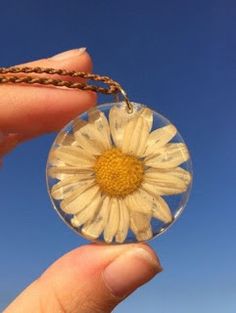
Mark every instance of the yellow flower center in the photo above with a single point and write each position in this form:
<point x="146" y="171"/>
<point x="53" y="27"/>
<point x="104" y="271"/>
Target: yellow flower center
<point x="118" y="174"/>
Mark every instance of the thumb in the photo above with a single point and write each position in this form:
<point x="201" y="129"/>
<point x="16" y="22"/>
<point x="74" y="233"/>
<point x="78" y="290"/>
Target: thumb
<point x="94" y="278"/>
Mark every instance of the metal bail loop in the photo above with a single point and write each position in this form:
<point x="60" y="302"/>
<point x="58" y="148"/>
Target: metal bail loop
<point x="128" y="103"/>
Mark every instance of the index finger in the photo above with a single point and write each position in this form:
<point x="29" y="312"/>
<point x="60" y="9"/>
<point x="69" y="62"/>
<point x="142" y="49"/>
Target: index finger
<point x="34" y="110"/>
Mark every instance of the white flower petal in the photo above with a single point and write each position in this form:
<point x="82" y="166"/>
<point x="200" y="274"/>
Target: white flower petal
<point x="135" y="202"/>
<point x="158" y="138"/>
<point x="171" y="155"/>
<point x="135" y="136"/>
<point x="112" y="224"/>
<point x="90" y="139"/>
<point x="65" y="188"/>
<point x="63" y="171"/>
<point x="80" y="199"/>
<point x="147" y="114"/>
<point x="54" y="161"/>
<point x="118" y="118"/>
<point x="176" y="179"/>
<point x="100" y="121"/>
<point x="73" y="156"/>
<point x="65" y="139"/>
<point x="162" y="211"/>
<point x="92" y="230"/>
<point x="165" y="183"/>
<point x="164" y="188"/>
<point x="60" y="176"/>
<point x="182" y="174"/>
<point x="123" y="227"/>
<point x="140" y="226"/>
<point x="78" y="123"/>
<point x="74" y="221"/>
<point x="160" y="208"/>
<point x="88" y="214"/>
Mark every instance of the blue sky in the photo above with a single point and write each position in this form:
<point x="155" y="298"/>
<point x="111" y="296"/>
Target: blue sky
<point x="177" y="57"/>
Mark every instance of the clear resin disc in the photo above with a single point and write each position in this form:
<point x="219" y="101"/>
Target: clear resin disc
<point x="119" y="177"/>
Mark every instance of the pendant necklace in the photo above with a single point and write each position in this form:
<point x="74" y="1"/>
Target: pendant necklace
<point x="119" y="172"/>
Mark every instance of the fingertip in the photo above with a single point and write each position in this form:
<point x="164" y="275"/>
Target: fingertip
<point x="86" y="59"/>
<point x="75" y="59"/>
<point x="151" y="252"/>
<point x="130" y="270"/>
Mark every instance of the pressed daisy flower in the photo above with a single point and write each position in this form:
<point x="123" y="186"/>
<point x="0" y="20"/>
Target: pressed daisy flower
<point x="113" y="174"/>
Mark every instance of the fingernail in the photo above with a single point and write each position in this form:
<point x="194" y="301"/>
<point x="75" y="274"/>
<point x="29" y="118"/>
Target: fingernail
<point x="129" y="271"/>
<point x="68" y="54"/>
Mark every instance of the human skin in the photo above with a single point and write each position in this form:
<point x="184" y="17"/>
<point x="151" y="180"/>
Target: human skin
<point x="93" y="278"/>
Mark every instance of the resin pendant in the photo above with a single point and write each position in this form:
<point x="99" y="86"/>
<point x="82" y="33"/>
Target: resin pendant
<point x="117" y="176"/>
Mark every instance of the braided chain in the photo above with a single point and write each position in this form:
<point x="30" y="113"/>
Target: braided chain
<point x="113" y="86"/>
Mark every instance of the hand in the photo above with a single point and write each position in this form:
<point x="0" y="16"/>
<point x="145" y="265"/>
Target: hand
<point x="92" y="278"/>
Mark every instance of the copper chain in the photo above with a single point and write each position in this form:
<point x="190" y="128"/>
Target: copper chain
<point x="113" y="87"/>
